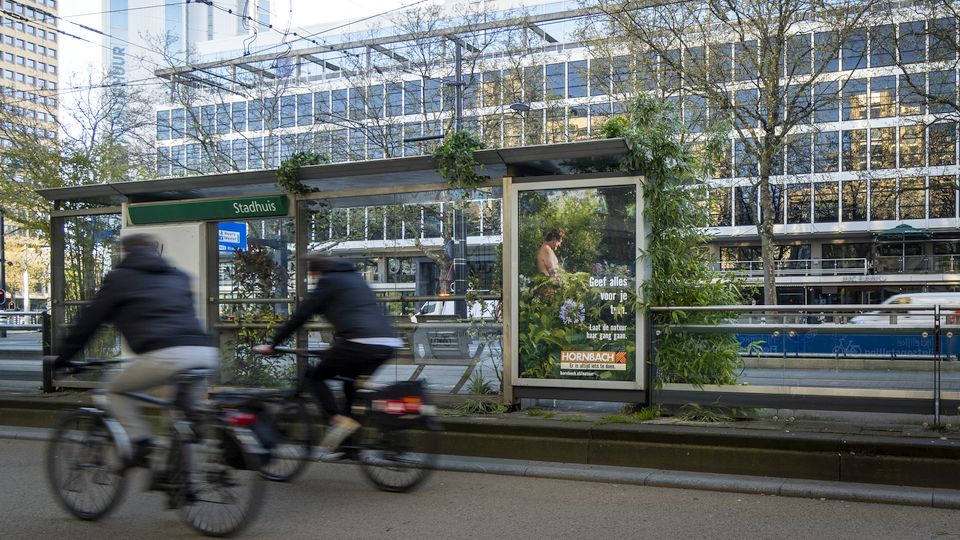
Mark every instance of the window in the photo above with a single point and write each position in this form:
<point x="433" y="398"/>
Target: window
<point x="747" y="112"/>
<point x="943" y="142"/>
<point x="176" y="123"/>
<point x="208" y="119"/>
<point x="695" y="112"/>
<point x="883" y="199"/>
<point x="855" y="50"/>
<point x="943" y="90"/>
<point x="912" y="43"/>
<point x="239" y="115"/>
<point x="912" y="145"/>
<point x="304" y="109"/>
<point x="746" y="205"/>
<point x="912" y="89"/>
<point x="883" y="101"/>
<point x="855" y="100"/>
<point x="375" y="101"/>
<point x="883" y="148"/>
<point x="223" y="118"/>
<point x="912" y="198"/>
<point x="798" y="203"/>
<point x="826" y="157"/>
<point x="746" y="159"/>
<point x="163" y="125"/>
<point x="825" y="52"/>
<point x="394" y="99"/>
<point x="798" y="153"/>
<point x="942" y="39"/>
<point x="288" y="111"/>
<point x="721" y="62"/>
<point x="238" y="153"/>
<point x="854" y="150"/>
<point x="555" y="81"/>
<point x="255" y="118"/>
<point x="826" y="102"/>
<point x="745" y="57"/>
<point x="720" y="207"/>
<point x="412" y="98"/>
<point x="271" y="115"/>
<point x="670" y="66"/>
<point x="826" y="202"/>
<point x="798" y="55"/>
<point x="943" y="197"/>
<point x="432" y="95"/>
<point x="338" y="104"/>
<point x="577" y="123"/>
<point x="321" y="106"/>
<point x="883" y="45"/>
<point x="576" y="79"/>
<point x="599" y="77"/>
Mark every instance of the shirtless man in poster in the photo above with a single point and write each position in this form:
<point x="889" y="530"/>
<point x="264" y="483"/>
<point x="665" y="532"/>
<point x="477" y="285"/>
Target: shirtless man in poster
<point x="547" y="262"/>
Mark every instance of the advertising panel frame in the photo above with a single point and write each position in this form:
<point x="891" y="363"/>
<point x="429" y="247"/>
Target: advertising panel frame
<point x="512" y="191"/>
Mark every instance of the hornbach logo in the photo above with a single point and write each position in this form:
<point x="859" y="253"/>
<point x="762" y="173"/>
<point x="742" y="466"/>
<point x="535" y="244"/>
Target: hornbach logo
<point x="248" y="207"/>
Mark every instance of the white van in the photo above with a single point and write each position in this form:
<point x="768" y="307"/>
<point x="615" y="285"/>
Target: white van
<point x="485" y="309"/>
<point x="949" y="303"/>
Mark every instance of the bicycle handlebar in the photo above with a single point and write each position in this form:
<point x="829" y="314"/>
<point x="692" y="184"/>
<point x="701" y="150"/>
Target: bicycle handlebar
<point x="299" y="352"/>
<point x="75" y="366"/>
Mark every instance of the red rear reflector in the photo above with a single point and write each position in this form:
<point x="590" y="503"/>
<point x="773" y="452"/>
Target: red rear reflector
<point x="242" y="419"/>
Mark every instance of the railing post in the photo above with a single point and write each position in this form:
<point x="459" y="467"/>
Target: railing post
<point x="936" y="366"/>
<point x="46" y="347"/>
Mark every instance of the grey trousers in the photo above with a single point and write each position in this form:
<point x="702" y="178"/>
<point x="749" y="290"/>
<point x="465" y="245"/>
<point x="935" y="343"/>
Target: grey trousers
<point x="152" y="369"/>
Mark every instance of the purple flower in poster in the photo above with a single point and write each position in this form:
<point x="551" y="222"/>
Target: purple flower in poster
<point x="572" y="312"/>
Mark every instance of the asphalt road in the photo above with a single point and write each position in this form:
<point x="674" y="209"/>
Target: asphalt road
<point x="333" y="501"/>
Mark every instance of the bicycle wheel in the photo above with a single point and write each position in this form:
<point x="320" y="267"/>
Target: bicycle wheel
<point x="84" y="467"/>
<point x="398" y="459"/>
<point x="295" y="430"/>
<point x="225" y="494"/>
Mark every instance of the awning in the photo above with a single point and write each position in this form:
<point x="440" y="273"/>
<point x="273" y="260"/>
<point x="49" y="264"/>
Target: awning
<point x="904" y="232"/>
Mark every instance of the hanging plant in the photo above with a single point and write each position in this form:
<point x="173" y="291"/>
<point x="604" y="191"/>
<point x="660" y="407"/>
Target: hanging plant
<point x="455" y="160"/>
<point x="288" y="174"/>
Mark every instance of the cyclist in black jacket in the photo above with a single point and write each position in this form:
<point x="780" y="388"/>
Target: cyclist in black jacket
<point x="151" y="304"/>
<point x="363" y="338"/>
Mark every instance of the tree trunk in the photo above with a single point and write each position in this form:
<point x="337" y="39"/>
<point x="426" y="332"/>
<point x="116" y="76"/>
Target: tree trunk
<point x="765" y="228"/>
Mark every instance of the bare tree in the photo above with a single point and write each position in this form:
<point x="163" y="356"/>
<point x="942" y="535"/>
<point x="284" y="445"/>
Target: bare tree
<point x="753" y="63"/>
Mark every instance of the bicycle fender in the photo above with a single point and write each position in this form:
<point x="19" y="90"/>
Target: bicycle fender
<point x="116" y="430"/>
<point x="251" y="446"/>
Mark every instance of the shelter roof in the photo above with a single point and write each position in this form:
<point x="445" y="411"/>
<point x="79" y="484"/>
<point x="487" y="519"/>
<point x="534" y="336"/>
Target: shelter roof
<point x="527" y="162"/>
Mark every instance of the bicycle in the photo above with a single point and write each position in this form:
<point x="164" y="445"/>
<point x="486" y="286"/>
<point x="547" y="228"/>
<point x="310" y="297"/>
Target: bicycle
<point x="396" y="445"/>
<point x="208" y="474"/>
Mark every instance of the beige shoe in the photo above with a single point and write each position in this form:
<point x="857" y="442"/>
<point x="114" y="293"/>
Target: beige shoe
<point x="336" y="434"/>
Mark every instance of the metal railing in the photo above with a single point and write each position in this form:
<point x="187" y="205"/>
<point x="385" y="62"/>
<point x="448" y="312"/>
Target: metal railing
<point x="893" y="264"/>
<point x="799" y="267"/>
<point x="896" y="358"/>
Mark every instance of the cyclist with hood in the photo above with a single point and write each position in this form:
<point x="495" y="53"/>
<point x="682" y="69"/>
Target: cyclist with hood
<point x="151" y="304"/>
<point x="363" y="339"/>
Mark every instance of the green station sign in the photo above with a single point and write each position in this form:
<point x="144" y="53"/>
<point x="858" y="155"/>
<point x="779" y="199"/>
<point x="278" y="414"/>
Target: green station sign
<point x="208" y="210"/>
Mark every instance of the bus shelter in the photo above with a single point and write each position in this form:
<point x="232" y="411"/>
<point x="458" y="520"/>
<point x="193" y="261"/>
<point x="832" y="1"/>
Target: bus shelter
<point x="459" y="270"/>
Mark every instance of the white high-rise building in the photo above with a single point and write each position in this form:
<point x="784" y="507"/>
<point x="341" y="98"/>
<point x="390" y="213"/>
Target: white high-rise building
<point x="145" y="35"/>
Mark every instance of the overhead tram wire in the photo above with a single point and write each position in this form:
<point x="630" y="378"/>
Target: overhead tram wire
<point x="309" y="37"/>
<point x="121" y="10"/>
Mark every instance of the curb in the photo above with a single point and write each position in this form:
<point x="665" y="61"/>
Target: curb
<point x="754" y="485"/>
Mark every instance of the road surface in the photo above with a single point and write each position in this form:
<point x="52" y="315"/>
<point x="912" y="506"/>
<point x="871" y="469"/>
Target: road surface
<point x="333" y="501"/>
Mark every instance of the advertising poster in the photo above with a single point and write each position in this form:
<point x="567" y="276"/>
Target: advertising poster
<point x="577" y="260"/>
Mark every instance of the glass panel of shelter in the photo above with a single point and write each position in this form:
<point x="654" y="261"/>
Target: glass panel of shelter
<point x="256" y="261"/>
<point x="404" y="245"/>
